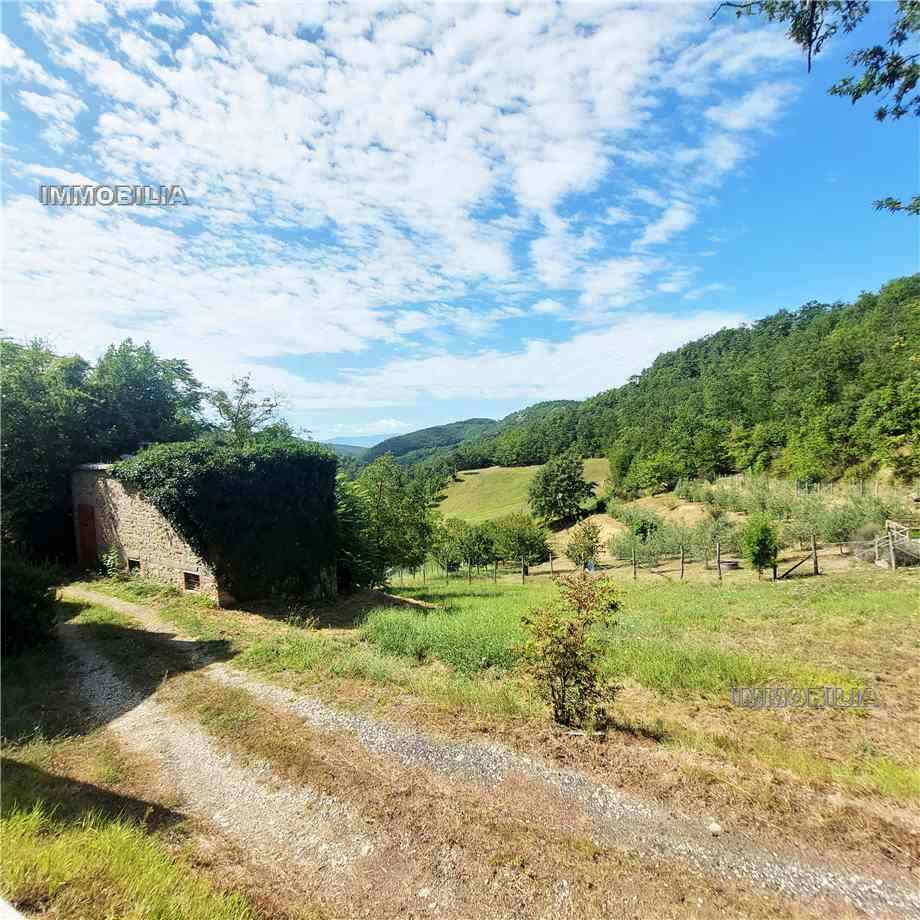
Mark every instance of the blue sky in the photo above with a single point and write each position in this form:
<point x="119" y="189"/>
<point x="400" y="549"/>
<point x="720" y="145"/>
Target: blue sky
<point x="405" y="215"/>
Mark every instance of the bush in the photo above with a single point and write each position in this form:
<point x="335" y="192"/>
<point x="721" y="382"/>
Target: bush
<point x="28" y="603"/>
<point x="584" y="544"/>
<point x="563" y="652"/>
<point x="760" y="542"/>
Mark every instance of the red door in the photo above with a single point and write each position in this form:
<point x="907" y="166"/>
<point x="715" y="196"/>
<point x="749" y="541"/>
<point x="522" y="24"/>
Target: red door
<point x="86" y="547"/>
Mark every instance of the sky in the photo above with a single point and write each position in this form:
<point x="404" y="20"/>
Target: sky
<point x="403" y="215"/>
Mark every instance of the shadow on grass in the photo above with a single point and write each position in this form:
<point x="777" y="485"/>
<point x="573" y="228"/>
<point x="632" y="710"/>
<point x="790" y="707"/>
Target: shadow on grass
<point x="70" y="800"/>
<point x="41" y="695"/>
<point x="344" y="612"/>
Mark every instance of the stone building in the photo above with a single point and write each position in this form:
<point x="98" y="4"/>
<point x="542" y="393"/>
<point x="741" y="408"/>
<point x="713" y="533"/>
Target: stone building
<point x="109" y="516"/>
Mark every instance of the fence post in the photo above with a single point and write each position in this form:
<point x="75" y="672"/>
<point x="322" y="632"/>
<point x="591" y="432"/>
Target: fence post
<point x="552" y="571"/>
<point x="719" y="558"/>
<point x="892" y="559"/>
<point x="634" y="561"/>
<point x="814" y="556"/>
<point x="522" y="570"/>
<point x="876" y="548"/>
<point x="681" y="560"/>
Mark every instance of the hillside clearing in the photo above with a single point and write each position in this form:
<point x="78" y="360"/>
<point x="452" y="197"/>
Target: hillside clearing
<point x="498" y="490"/>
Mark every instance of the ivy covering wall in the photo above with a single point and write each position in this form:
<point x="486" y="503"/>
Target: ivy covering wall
<point x="263" y="517"/>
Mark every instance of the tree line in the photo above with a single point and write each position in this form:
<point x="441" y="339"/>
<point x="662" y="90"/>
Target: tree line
<point x="819" y="393"/>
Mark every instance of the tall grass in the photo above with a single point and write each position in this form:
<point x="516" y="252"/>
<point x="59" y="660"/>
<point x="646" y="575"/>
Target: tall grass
<point x="99" y="867"/>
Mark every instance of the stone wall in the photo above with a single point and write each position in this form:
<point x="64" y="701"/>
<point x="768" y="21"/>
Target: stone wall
<point x="123" y="520"/>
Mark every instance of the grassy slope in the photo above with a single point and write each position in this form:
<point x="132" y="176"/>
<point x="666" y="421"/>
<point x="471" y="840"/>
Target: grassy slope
<point x="490" y="493"/>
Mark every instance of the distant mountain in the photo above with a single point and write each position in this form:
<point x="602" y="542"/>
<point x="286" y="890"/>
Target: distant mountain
<point x="345" y="450"/>
<point x="418" y="443"/>
<point x="368" y="440"/>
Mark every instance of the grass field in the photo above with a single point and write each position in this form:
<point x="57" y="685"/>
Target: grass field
<point x="484" y="494"/>
<point x="677" y="651"/>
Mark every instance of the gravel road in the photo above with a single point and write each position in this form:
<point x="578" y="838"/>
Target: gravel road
<point x="268" y="817"/>
<point x="618" y="817"/>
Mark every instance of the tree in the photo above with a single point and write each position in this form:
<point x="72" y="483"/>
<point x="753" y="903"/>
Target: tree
<point x="519" y="537"/>
<point x="886" y="70"/>
<point x="400" y="516"/>
<point x="447" y="543"/>
<point x="477" y="547"/>
<point x="142" y="399"/>
<point x="559" y="488"/>
<point x="60" y="411"/>
<point x="241" y="412"/>
<point x="563" y="652"/>
<point x="760" y="542"/>
<point x="584" y="544"/>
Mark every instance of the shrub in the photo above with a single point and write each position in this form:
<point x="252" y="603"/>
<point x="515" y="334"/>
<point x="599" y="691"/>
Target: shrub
<point x="563" y="652"/>
<point x="111" y="563"/>
<point x="28" y="603"/>
<point x="760" y="542"/>
<point x="584" y="544"/>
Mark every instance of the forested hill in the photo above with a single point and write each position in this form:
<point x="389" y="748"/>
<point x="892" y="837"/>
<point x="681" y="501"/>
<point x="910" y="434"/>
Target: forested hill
<point x="814" y="393"/>
<point x="430" y="442"/>
<point x="426" y="439"/>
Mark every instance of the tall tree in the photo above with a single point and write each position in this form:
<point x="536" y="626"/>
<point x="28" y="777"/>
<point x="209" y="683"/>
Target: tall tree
<point x="559" y="488"/>
<point x="400" y="516"/>
<point x="60" y="411"/>
<point x="242" y="412"/>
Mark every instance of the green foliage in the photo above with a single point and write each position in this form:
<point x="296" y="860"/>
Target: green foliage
<point x="242" y="414"/>
<point x="886" y="70"/>
<point x="447" y="544"/>
<point x="559" y="488"/>
<point x="563" y="652"/>
<point x="811" y="393"/>
<point x="398" y="510"/>
<point x="584" y="543"/>
<point x="262" y="516"/>
<point x="416" y="444"/>
<point x="356" y="564"/>
<point x="28" y="603"/>
<point x="760" y="542"/>
<point x="59" y="412"/>
<point x="111" y="563"/>
<point x="519" y="537"/>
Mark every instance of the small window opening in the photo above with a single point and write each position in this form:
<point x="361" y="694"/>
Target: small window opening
<point x="192" y="581"/>
<point x="134" y="567"/>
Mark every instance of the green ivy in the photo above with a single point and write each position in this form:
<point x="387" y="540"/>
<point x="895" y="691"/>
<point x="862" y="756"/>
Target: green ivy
<point x="262" y="516"/>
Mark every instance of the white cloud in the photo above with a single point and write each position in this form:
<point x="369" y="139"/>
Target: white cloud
<point x="700" y="292"/>
<point x="548" y="307"/>
<point x="338" y="182"/>
<point x="674" y="220"/>
<point x="757" y="109"/>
